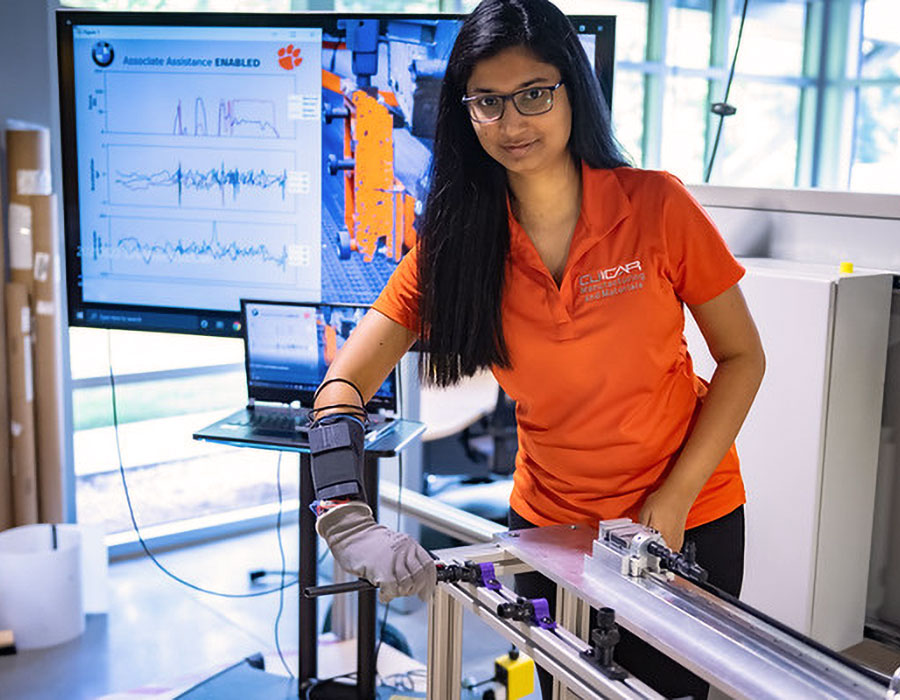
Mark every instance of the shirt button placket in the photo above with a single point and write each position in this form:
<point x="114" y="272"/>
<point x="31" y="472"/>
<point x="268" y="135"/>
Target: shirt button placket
<point x="561" y="317"/>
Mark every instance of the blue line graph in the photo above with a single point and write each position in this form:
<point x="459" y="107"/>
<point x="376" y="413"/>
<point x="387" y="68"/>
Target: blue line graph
<point x="221" y="178"/>
<point x="210" y="248"/>
<point x="201" y="105"/>
<point x="232" y="115"/>
<point x="181" y="178"/>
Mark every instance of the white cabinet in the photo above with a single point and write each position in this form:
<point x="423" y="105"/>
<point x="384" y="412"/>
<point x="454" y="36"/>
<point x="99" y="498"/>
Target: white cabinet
<point x="809" y="448"/>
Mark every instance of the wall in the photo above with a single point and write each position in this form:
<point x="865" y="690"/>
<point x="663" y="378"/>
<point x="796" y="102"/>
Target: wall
<point x="25" y="61"/>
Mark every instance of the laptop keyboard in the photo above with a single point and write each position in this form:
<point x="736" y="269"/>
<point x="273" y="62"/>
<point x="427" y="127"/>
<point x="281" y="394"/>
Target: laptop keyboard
<point x="278" y="422"/>
<point x="292" y="426"/>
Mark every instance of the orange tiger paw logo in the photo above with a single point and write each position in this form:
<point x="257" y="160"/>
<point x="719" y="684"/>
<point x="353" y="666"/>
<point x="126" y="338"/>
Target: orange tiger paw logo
<point x="289" y="57"/>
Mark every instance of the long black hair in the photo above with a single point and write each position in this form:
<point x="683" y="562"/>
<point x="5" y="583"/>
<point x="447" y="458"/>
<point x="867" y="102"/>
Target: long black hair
<point x="464" y="232"/>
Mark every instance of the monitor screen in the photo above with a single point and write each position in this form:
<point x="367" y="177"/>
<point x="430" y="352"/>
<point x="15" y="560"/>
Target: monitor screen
<point x="213" y="157"/>
<point x="289" y="347"/>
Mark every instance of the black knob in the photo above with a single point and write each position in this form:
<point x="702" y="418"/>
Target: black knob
<point x="506" y="611"/>
<point x="449" y="573"/>
<point x="521" y="611"/>
<point x="690" y="552"/>
<point x="605" y="636"/>
<point x="606" y="618"/>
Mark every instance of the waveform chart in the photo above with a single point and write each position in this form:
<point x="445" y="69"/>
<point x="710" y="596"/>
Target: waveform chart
<point x="203" y="178"/>
<point x="199" y="106"/>
<point x="235" y="253"/>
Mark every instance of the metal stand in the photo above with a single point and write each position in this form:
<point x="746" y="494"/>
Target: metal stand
<point x="388" y="445"/>
<point x="365" y="650"/>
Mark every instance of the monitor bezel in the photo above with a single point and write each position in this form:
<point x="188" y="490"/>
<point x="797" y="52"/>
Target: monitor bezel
<point x="187" y="319"/>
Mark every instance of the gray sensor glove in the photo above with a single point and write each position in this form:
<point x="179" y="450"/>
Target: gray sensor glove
<point x="394" y="562"/>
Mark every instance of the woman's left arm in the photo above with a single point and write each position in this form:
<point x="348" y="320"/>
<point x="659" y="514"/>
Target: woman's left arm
<point x="734" y="343"/>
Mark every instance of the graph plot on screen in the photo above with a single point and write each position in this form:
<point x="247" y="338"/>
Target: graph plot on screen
<point x="199" y="105"/>
<point x="220" y="258"/>
<point x="281" y="338"/>
<point x="204" y="178"/>
<point x="190" y="145"/>
<point x="231" y="118"/>
<point x="239" y="251"/>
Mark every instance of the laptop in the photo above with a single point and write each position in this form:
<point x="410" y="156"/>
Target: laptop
<point x="287" y="350"/>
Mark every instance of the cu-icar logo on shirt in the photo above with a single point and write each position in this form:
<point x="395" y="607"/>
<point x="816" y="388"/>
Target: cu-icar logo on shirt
<point x="611" y="281"/>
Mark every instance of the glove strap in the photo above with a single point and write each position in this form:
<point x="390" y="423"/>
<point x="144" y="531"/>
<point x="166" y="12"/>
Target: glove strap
<point x="336" y="457"/>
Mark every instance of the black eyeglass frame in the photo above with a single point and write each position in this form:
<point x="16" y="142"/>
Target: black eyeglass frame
<point x="511" y="97"/>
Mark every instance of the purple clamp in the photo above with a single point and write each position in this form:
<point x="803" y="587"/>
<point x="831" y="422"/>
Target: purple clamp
<point x="488" y="577"/>
<point x="542" y="614"/>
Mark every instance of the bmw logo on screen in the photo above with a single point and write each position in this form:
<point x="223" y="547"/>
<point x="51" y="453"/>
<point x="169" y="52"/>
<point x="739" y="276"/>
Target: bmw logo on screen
<point x="102" y="53"/>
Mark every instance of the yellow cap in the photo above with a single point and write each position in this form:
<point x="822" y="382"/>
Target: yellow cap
<point x="846" y="268"/>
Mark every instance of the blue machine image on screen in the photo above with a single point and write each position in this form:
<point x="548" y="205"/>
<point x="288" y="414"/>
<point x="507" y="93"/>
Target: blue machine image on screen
<point x="381" y="83"/>
<point x="207" y="159"/>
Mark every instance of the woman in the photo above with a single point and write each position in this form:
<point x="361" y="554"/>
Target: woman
<point x="544" y="257"/>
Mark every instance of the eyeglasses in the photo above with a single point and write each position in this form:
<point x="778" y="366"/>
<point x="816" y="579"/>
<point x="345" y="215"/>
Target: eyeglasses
<point x="529" y="102"/>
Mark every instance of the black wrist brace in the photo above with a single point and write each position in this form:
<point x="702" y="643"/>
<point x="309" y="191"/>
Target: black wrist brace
<point x="336" y="455"/>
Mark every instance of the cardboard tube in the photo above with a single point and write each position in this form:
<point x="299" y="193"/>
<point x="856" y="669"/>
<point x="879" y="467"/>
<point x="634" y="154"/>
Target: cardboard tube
<point x="6" y="511"/>
<point x="21" y="404"/>
<point x="28" y="169"/>
<point x="27" y="160"/>
<point x="48" y="360"/>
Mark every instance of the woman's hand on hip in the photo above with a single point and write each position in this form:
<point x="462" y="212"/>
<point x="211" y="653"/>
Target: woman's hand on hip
<point x="667" y="511"/>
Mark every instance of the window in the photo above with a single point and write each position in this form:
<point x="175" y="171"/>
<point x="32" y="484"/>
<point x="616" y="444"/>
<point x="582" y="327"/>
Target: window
<point x="628" y="108"/>
<point x="759" y="144"/>
<point x="876" y="165"/>
<point x="166" y="385"/>
<point x="688" y="34"/>
<point x="876" y="148"/>
<point x="772" y="43"/>
<point x="684" y="127"/>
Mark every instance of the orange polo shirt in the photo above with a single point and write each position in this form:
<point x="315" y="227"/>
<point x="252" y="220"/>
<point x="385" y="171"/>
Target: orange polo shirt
<point x="604" y="386"/>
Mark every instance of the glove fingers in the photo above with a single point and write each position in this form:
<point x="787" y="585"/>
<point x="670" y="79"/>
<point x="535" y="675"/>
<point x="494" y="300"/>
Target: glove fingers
<point x="404" y="567"/>
<point x="428" y="581"/>
<point x="416" y="572"/>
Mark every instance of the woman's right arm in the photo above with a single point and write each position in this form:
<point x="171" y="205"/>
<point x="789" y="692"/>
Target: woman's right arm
<point x="393" y="561"/>
<point x="370" y="353"/>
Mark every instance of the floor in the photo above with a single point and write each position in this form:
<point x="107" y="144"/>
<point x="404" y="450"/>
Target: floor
<point x="159" y="632"/>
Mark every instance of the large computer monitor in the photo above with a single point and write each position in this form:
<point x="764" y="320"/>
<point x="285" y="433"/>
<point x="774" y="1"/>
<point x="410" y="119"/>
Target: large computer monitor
<point x="213" y="157"/>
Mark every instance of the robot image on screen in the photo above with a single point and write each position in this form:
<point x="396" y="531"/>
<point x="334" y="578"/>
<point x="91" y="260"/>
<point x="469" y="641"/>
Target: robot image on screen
<point x="380" y="88"/>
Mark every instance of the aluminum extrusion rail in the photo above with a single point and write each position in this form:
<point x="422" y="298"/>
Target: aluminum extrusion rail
<point x="558" y="650"/>
<point x="727" y="646"/>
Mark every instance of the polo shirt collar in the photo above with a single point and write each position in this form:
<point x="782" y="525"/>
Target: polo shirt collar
<point x="604" y="205"/>
<point x="603" y="201"/>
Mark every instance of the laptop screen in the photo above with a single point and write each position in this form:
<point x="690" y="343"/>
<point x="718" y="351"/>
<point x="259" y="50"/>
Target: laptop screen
<point x="288" y="348"/>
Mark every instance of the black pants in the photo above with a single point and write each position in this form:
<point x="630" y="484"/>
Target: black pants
<point x="720" y="550"/>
